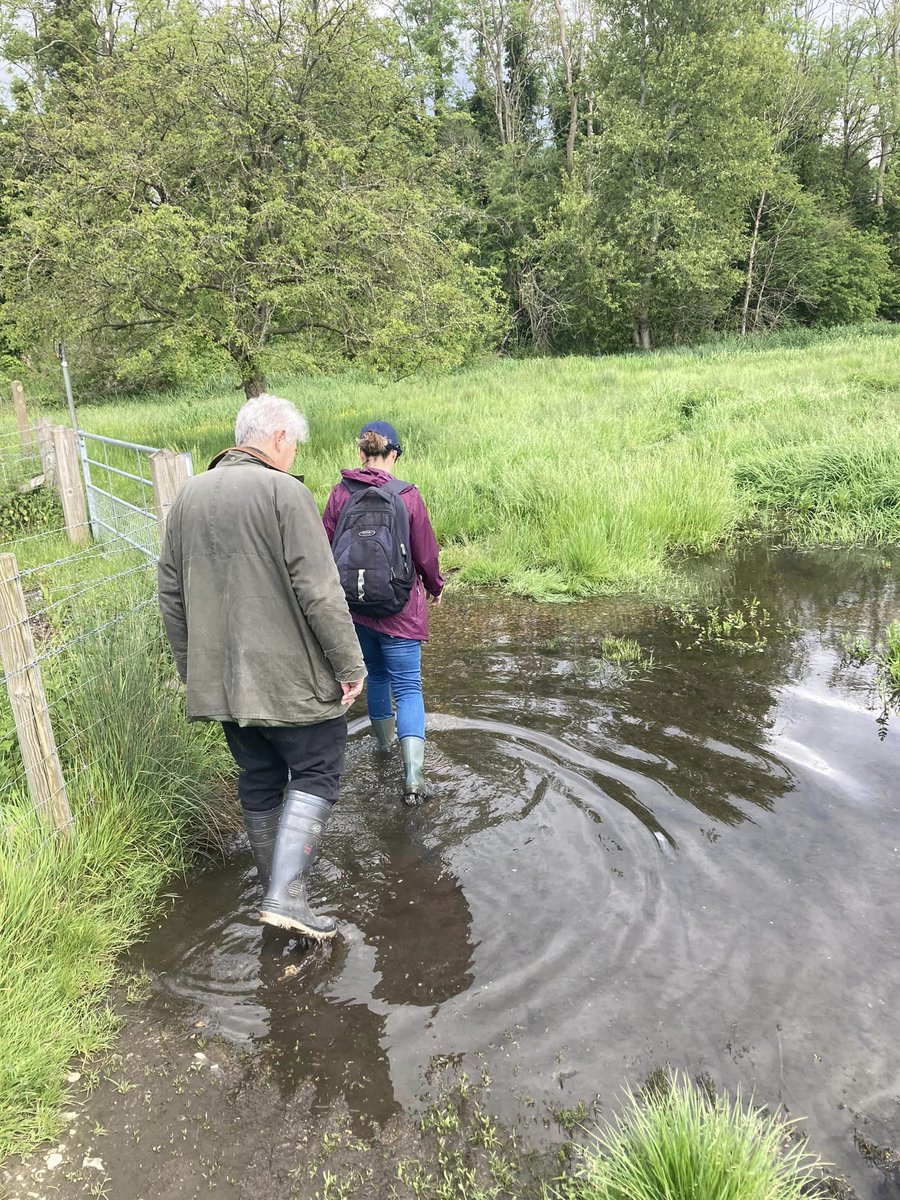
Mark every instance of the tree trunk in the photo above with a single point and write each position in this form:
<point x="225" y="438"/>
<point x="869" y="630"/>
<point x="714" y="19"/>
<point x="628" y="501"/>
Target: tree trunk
<point x="254" y="386"/>
<point x="642" y="332"/>
<point x="253" y="381"/>
<point x="570" y="88"/>
<point x="748" y="286"/>
<point x="882" y="171"/>
<point x="643" y="338"/>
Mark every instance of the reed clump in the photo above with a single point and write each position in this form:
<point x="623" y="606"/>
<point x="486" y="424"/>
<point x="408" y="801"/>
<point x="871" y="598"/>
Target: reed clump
<point x="679" y="1142"/>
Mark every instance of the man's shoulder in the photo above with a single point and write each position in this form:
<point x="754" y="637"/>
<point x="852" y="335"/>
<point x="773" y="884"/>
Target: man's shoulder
<point x="245" y="483"/>
<point x="288" y="485"/>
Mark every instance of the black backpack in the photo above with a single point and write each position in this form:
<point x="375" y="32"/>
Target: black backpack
<point x="371" y="548"/>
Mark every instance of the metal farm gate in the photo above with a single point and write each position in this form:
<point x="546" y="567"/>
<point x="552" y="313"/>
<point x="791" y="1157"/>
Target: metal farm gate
<point x="119" y="485"/>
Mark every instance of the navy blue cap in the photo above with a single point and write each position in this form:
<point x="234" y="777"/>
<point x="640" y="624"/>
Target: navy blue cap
<point x="386" y="431"/>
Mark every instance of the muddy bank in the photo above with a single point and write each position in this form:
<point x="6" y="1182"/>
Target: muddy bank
<point x="691" y="861"/>
<point x="180" y="1116"/>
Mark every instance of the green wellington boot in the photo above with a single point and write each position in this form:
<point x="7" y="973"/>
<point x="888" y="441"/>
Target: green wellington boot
<point x="262" y="829"/>
<point x="384" y="731"/>
<point x="299" y="834"/>
<point x="415" y="789"/>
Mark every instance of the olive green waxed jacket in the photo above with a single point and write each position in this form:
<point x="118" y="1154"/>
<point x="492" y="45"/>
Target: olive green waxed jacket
<point x="251" y="600"/>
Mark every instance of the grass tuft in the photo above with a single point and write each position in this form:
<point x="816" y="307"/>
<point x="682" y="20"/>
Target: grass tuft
<point x="677" y="1143"/>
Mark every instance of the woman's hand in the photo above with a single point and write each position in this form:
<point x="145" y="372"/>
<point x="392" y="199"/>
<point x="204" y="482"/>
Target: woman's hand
<point x="436" y="600"/>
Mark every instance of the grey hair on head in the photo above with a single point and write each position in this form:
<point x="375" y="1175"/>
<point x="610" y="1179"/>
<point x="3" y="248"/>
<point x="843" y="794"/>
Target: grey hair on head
<point x="263" y="416"/>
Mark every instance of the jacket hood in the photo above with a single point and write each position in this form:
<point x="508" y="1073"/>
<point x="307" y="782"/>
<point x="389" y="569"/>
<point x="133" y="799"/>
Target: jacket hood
<point x="370" y="475"/>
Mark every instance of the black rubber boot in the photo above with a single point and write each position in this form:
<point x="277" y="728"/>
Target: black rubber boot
<point x="415" y="789"/>
<point x="384" y="731"/>
<point x="285" y="905"/>
<point x="262" y="829"/>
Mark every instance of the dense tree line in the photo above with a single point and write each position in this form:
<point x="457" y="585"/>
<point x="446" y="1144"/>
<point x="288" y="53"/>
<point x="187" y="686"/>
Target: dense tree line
<point x="328" y="181"/>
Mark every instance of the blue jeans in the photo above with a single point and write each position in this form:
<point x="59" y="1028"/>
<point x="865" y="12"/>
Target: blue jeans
<point x="395" y="667"/>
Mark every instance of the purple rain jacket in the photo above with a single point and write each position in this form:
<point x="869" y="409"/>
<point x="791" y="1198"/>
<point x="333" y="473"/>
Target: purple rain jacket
<point x="412" y="622"/>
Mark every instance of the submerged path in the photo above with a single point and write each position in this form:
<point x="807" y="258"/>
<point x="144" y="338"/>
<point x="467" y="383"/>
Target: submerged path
<point x="692" y="863"/>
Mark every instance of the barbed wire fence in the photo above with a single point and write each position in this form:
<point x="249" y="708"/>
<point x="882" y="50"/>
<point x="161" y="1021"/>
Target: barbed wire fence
<point x="20" y="467"/>
<point x="69" y="621"/>
<point x="49" y="631"/>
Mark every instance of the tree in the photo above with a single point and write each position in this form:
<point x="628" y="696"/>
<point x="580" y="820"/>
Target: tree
<point x="811" y="265"/>
<point x="431" y="28"/>
<point x="505" y="66"/>
<point x="240" y="174"/>
<point x="663" y="184"/>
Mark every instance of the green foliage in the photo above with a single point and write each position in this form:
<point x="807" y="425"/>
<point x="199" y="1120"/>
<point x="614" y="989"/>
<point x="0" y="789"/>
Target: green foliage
<point x="29" y="512"/>
<point x="193" y="189"/>
<point x="657" y="196"/>
<point x="847" y="269"/>
<point x="622" y="651"/>
<point x="678" y="1143"/>
<point x="810" y="265"/>
<point x="889" y="657"/>
<point x="204" y="194"/>
<point x="825" y="488"/>
<point x="857" y="650"/>
<point x="472" y="1158"/>
<point x="459" y="1153"/>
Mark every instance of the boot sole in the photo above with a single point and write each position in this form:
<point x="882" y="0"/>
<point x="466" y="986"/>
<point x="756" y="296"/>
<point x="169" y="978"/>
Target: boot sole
<point x="281" y="922"/>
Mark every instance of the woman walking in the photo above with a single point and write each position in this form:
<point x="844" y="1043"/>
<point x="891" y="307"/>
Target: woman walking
<point x="391" y="644"/>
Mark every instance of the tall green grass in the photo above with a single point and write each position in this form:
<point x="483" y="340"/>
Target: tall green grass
<point x="676" y="1142"/>
<point x="576" y="476"/>
<point x="143" y="787"/>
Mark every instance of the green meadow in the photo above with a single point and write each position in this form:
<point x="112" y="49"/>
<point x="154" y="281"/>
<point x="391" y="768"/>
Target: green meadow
<point x="576" y="476"/>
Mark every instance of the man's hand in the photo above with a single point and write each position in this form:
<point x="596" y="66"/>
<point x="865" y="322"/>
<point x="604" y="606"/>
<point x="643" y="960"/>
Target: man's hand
<point x="435" y="600"/>
<point x="351" y="691"/>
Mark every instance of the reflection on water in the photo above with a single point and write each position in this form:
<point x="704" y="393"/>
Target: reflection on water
<point x="697" y="866"/>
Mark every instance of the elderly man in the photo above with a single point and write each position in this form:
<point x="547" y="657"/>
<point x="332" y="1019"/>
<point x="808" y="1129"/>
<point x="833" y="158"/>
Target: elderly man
<point x="262" y="638"/>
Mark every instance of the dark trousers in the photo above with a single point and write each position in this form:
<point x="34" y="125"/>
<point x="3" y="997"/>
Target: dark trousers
<point x="310" y="757"/>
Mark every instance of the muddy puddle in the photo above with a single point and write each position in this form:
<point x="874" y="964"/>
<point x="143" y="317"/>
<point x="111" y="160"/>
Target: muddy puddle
<point x="694" y="863"/>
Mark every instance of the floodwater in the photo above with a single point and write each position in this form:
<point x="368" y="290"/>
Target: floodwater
<point x="697" y="864"/>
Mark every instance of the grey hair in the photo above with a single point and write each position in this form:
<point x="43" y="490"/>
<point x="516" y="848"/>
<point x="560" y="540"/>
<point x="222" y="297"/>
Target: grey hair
<point x="263" y="416"/>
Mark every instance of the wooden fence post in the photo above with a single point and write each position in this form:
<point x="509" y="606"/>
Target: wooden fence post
<point x="43" y="431"/>
<point x="169" y="472"/>
<point x="71" y="489"/>
<point x="29" y="702"/>
<point x="18" y="396"/>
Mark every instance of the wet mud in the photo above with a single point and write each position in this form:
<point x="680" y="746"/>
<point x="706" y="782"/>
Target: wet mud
<point x="691" y="862"/>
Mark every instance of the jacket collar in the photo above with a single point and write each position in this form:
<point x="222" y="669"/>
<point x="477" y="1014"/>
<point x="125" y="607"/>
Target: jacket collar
<point x="247" y="453"/>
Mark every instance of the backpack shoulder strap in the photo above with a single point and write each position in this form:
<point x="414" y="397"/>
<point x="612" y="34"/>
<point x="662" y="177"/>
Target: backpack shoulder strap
<point x="355" y="485"/>
<point x="396" y="486"/>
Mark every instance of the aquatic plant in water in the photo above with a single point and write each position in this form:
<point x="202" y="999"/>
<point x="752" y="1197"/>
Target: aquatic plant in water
<point x="885" y="655"/>
<point x="678" y="1142"/>
<point x="739" y="629"/>
<point x="624" y="650"/>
